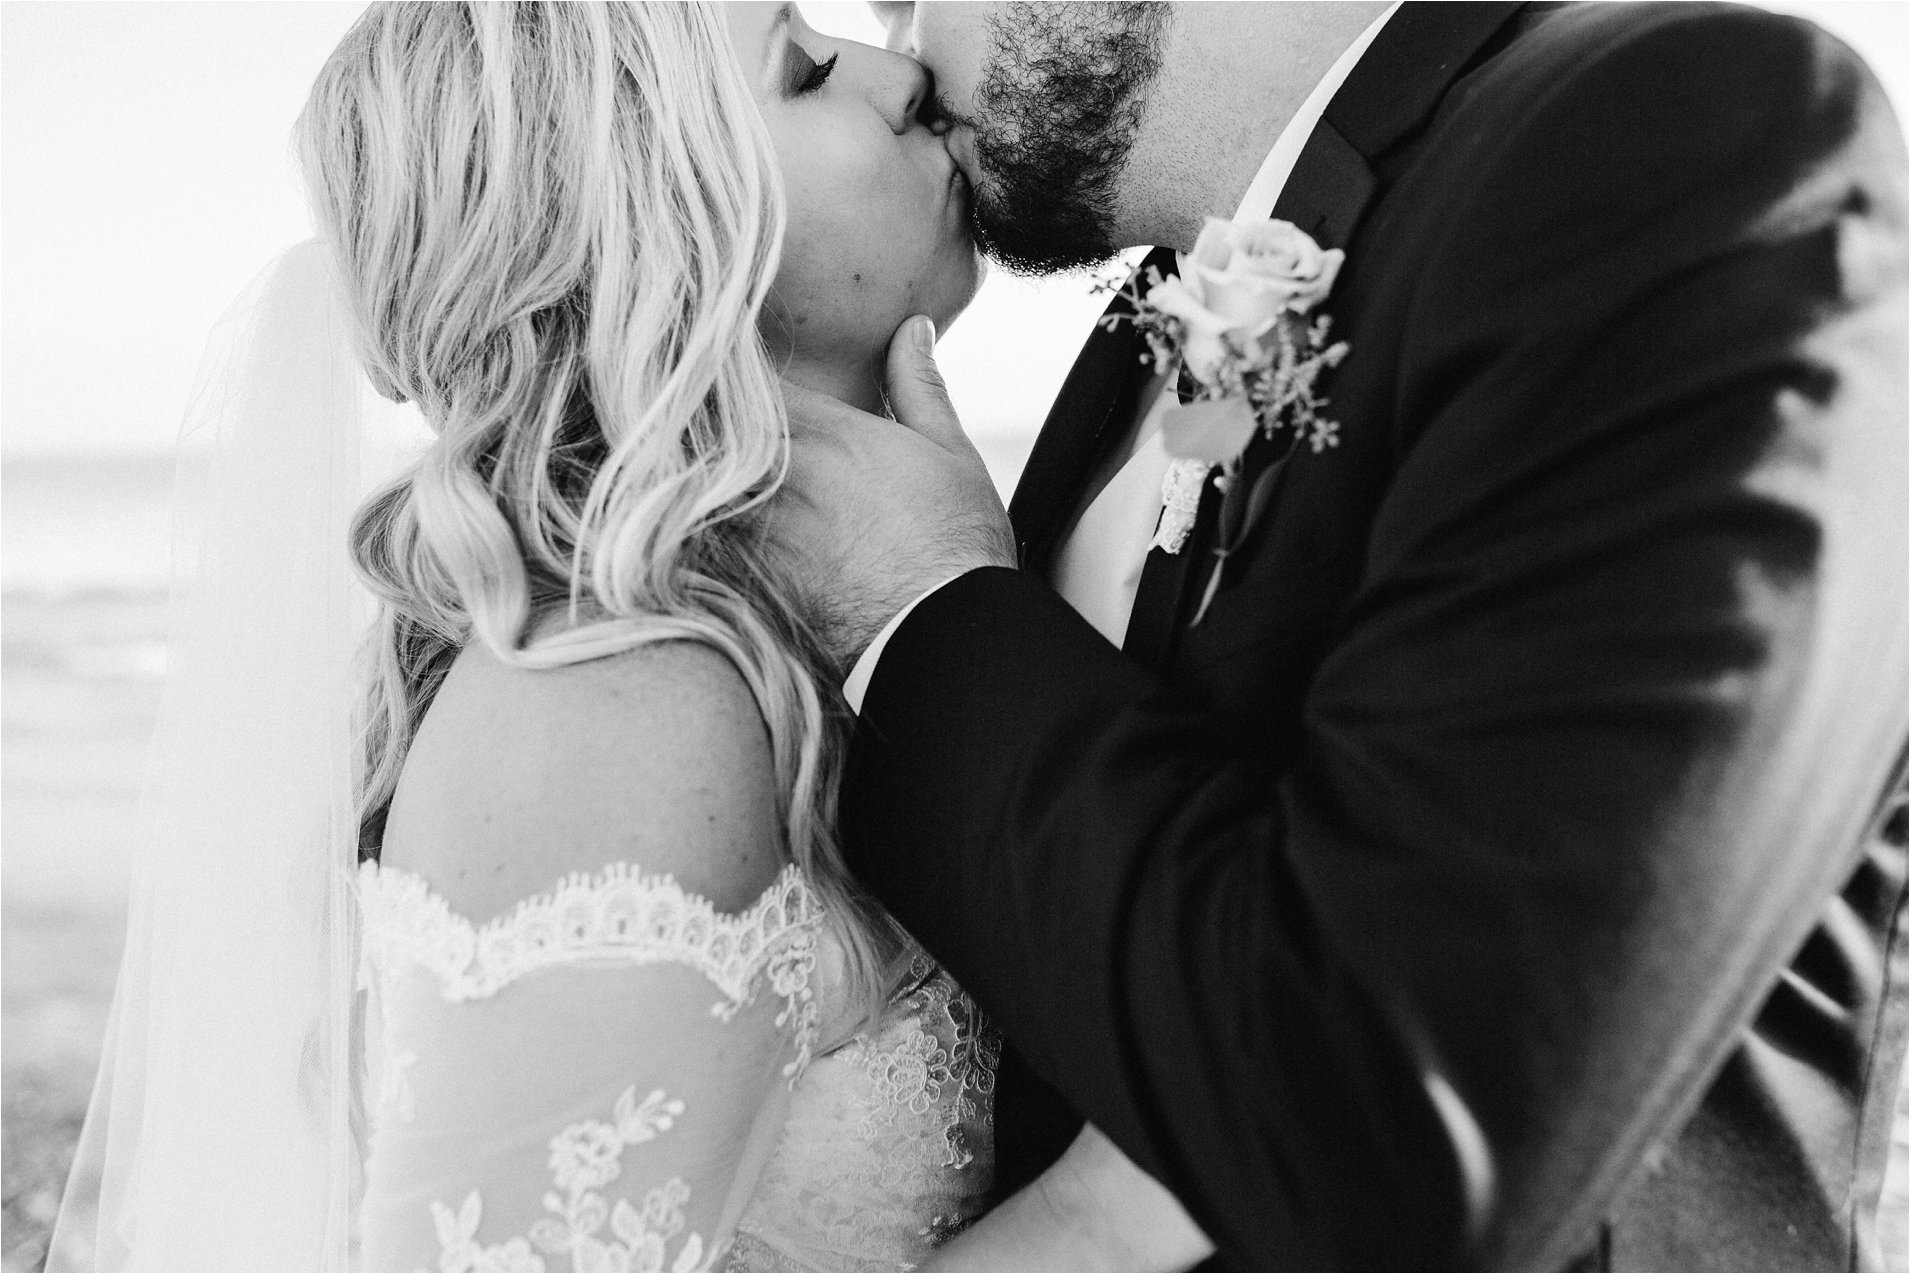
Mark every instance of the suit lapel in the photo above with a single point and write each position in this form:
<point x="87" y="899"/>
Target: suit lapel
<point x="1095" y="401"/>
<point x="1391" y="93"/>
<point x="1407" y="69"/>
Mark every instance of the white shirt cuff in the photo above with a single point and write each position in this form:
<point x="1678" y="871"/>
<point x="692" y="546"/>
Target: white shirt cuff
<point x="859" y="676"/>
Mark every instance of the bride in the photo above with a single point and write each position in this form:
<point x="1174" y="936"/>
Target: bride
<point x="521" y="940"/>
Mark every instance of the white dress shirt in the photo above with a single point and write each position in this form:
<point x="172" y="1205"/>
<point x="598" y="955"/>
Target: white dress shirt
<point x="1098" y="569"/>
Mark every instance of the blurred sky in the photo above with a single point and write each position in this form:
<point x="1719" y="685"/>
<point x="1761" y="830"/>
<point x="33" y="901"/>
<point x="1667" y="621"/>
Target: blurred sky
<point x="146" y="175"/>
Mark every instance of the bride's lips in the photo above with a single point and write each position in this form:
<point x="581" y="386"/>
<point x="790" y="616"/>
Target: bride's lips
<point x="960" y="142"/>
<point x="958" y="147"/>
<point x="959" y="192"/>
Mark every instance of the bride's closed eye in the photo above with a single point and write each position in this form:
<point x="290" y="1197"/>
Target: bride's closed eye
<point x="877" y="211"/>
<point x="805" y="74"/>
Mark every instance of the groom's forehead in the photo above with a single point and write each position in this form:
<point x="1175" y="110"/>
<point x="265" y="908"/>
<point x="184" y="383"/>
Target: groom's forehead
<point x="950" y="37"/>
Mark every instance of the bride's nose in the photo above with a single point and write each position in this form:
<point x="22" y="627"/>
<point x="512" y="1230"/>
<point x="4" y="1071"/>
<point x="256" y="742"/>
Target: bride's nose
<point x="899" y="89"/>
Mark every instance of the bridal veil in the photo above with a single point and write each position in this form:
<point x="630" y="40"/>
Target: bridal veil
<point x="223" y="1132"/>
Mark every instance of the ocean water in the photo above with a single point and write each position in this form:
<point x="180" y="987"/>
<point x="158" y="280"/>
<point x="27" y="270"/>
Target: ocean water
<point x="84" y="558"/>
<point x="85" y="552"/>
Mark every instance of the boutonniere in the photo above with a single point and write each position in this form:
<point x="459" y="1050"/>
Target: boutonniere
<point x="1237" y="318"/>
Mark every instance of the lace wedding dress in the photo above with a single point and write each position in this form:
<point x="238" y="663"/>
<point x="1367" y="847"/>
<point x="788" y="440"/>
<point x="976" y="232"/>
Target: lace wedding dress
<point x="616" y="1076"/>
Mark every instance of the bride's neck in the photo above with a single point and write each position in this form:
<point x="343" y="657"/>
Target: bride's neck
<point x="858" y="383"/>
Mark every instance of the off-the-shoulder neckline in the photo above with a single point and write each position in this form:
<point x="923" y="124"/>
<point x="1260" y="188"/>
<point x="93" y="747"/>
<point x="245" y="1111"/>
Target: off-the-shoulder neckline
<point x="608" y="876"/>
<point x="617" y="915"/>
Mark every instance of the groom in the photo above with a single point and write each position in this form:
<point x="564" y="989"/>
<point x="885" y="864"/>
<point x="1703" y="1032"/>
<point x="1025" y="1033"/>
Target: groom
<point x="1497" y="860"/>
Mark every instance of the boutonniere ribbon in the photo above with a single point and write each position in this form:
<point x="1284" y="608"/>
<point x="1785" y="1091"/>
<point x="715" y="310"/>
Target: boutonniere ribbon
<point x="1237" y="319"/>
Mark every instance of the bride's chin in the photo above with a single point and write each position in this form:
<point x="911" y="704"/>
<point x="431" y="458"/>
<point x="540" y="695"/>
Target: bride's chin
<point x="965" y="273"/>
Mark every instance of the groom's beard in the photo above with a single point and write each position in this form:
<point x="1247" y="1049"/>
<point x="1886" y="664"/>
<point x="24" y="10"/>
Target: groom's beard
<point x="1057" y="111"/>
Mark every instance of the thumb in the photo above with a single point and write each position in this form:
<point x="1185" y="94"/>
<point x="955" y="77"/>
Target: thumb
<point x="917" y="394"/>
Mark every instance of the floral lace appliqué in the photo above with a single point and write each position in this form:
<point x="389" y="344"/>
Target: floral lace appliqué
<point x="618" y="916"/>
<point x="888" y="1150"/>
<point x="945" y="1064"/>
<point x="584" y="1158"/>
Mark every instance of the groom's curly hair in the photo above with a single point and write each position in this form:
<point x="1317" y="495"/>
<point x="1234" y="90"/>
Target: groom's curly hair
<point x="557" y="224"/>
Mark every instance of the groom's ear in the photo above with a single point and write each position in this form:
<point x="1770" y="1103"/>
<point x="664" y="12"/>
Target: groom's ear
<point x="898" y="19"/>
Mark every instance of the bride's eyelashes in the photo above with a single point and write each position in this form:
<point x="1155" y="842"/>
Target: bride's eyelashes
<point x="819" y="74"/>
<point x="806" y="74"/>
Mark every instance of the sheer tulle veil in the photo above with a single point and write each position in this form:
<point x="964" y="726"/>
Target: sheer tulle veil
<point x="222" y="1132"/>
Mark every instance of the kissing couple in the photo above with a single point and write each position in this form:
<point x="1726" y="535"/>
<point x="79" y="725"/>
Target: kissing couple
<point x="1416" y="778"/>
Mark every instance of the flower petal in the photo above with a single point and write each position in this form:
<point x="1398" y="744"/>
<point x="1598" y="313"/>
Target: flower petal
<point x="1214" y="248"/>
<point x="1244" y="299"/>
<point x="1213" y="432"/>
<point x="1174" y="296"/>
<point x="624" y="1113"/>
<point x="691" y="1256"/>
<point x="551" y="1236"/>
<point x="588" y="1214"/>
<point x="627" y="1223"/>
<point x="1204" y="350"/>
<point x="446" y="1221"/>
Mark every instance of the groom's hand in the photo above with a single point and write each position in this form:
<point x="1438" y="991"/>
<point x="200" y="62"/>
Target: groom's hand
<point x="876" y="512"/>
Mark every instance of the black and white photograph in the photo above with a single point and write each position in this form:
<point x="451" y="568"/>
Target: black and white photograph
<point x="701" y="634"/>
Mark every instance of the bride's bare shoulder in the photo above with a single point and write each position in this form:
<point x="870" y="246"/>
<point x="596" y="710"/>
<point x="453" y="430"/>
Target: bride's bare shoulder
<point x="657" y="757"/>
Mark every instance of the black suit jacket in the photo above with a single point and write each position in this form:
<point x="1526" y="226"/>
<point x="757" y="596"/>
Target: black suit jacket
<point x="1509" y="869"/>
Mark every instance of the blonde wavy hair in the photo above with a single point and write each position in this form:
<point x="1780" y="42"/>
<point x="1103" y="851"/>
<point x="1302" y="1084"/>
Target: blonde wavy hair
<point x="558" y="223"/>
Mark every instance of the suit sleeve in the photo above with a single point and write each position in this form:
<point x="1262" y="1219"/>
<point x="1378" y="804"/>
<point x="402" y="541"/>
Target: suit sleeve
<point x="1602" y="727"/>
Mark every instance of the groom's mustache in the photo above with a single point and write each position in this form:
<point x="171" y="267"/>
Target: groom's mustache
<point x="961" y="134"/>
<point x="945" y="119"/>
